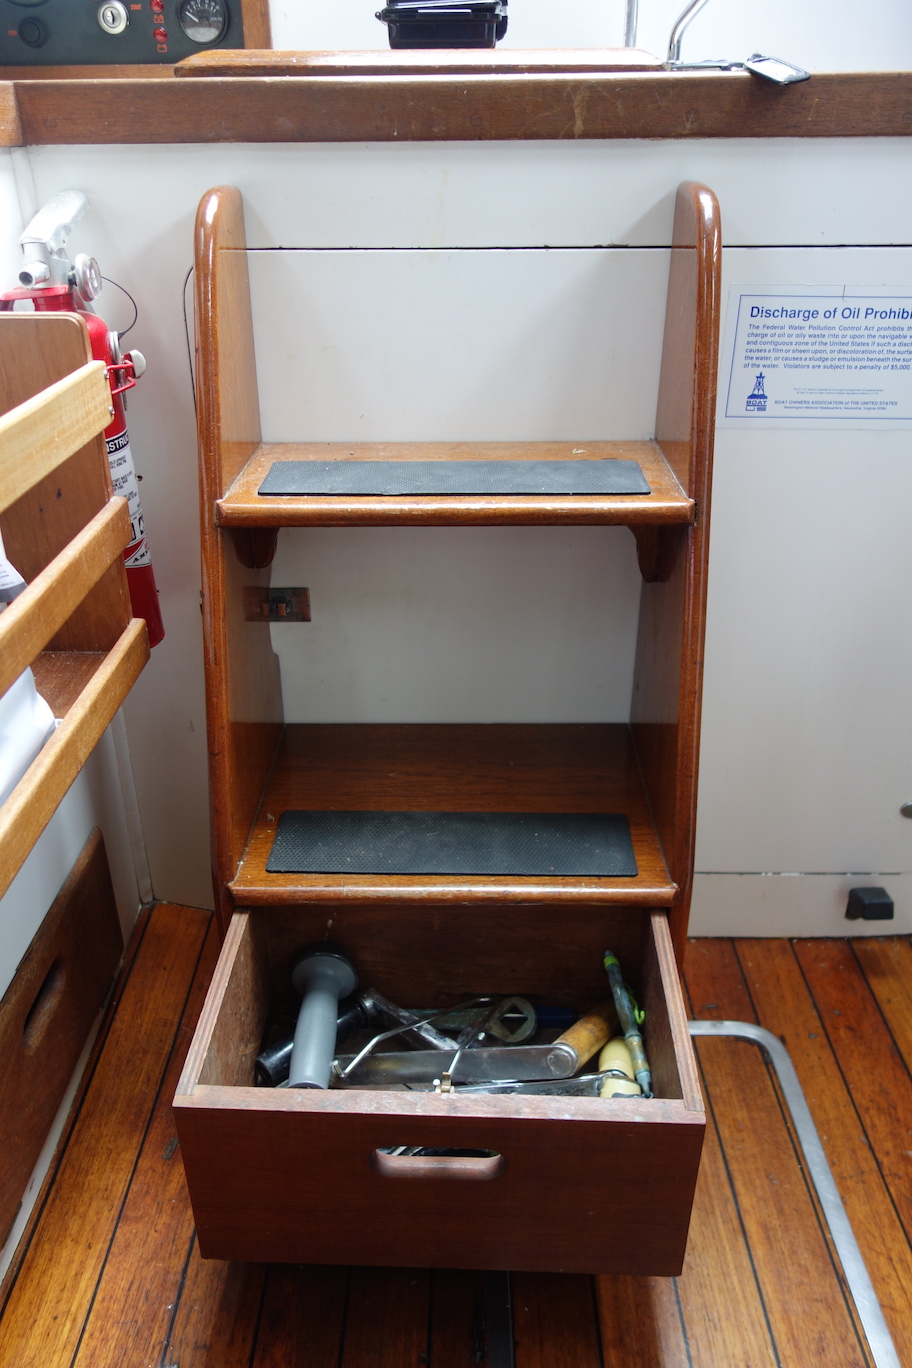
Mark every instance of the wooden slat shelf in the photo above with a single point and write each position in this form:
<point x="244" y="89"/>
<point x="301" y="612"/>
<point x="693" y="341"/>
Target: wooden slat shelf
<point x="242" y="506"/>
<point x="35" y="799"/>
<point x="35" y="617"/>
<point x="457" y="768"/>
<point x="61" y="676"/>
<point x="65" y="532"/>
<point x="39" y="435"/>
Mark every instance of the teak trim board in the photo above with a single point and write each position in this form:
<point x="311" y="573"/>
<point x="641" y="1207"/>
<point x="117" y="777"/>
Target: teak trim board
<point x="441" y="108"/>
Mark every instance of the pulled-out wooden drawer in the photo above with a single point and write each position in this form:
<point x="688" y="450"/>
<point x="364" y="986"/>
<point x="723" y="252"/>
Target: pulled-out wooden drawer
<point x="575" y="1184"/>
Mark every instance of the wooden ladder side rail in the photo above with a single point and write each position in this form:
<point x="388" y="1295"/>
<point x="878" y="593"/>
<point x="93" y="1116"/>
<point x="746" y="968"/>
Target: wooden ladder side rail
<point x="38" y="436"/>
<point x="243" y="691"/>
<point x="32" y="619"/>
<point x="35" y="799"/>
<point x="665" y="713"/>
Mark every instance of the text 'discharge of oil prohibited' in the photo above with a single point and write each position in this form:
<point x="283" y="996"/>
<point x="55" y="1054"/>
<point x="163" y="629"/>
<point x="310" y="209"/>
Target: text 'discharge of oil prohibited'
<point x="840" y="355"/>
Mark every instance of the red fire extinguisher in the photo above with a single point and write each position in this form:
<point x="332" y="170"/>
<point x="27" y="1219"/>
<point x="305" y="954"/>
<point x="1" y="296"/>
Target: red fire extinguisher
<point x="53" y="284"/>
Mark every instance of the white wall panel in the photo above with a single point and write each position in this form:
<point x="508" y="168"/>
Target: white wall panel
<point x="803" y="191"/>
<point x="793" y="905"/>
<point x="447" y="624"/>
<point x="410" y="346"/>
<point x="840" y="36"/>
<point x="10" y="220"/>
<point x="519" y="624"/>
<point x="807" y="751"/>
<point x="533" y="23"/>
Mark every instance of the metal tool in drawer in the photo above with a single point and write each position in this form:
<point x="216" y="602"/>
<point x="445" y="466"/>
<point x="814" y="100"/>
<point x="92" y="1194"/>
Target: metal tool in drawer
<point x="513" y="1022"/>
<point x="631" y="1018"/>
<point x="562" y="1058"/>
<point x="582" y="1085"/>
<point x="324" y="974"/>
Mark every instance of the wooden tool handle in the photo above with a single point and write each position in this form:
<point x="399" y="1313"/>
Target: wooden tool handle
<point x="592" y="1031"/>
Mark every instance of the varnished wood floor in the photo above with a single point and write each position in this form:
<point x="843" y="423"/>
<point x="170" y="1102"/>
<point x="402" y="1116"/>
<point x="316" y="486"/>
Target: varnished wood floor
<point x="108" y="1274"/>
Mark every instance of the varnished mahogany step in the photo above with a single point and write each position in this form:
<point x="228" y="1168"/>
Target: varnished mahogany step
<point x="456" y="768"/>
<point x="244" y="506"/>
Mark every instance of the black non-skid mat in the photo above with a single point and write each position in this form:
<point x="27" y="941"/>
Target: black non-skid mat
<point x="393" y="478"/>
<point x="546" y="844"/>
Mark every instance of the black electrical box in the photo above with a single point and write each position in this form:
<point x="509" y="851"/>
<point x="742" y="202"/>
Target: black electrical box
<point x="869" y="904"/>
<point x="445" y="23"/>
<point x="114" y="32"/>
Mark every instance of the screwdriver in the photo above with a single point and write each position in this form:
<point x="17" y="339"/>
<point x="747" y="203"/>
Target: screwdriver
<point x="630" y="1025"/>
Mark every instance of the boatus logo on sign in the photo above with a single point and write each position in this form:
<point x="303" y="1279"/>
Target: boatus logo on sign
<point x="756" y="400"/>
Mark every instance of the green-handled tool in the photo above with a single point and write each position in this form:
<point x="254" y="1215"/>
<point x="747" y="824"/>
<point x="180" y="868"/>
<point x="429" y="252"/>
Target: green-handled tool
<point x="630" y="1019"/>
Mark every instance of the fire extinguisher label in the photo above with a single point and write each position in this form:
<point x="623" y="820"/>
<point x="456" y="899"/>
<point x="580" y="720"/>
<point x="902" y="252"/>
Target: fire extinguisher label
<point x="141" y="556"/>
<point x="123" y="478"/>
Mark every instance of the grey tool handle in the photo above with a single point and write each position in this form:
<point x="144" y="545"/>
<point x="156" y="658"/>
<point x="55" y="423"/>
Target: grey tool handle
<point x="322" y="975"/>
<point x="271" y="1067"/>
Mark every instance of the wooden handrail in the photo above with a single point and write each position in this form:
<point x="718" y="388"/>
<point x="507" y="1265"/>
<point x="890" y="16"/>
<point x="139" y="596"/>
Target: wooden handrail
<point x="34" y="800"/>
<point x="39" y="435"/>
<point x="31" y="620"/>
<point x="101" y="109"/>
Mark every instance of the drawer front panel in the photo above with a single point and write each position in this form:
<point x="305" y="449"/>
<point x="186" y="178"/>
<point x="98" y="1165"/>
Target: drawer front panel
<point x="567" y="1195"/>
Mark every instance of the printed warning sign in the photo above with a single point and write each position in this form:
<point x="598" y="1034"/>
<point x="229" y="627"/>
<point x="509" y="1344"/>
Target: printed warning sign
<point x="841" y="355"/>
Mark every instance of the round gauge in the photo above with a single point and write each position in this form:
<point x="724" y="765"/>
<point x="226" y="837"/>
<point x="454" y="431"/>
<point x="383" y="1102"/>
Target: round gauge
<point x="203" y="21"/>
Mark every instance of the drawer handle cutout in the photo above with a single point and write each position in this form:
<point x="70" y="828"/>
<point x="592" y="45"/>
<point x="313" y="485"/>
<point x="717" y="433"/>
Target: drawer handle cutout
<point x="479" y="1166"/>
<point x="44" y="1006"/>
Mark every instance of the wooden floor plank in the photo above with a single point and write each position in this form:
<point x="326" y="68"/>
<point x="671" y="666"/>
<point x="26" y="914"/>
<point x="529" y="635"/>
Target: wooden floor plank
<point x="303" y="1317"/>
<point x="459" y="1319"/>
<point x="92" y="1293"/>
<point x="217" y="1311"/>
<point x="554" y="1322"/>
<point x="803" y="1298"/>
<point x="734" y="1328"/>
<point x="387" y="1318"/>
<point x="786" y="1008"/>
<point x="886" y="962"/>
<point x="52" y="1296"/>
<point x="871" y="1064"/>
<point x="133" y="1304"/>
<point x="641" y="1324"/>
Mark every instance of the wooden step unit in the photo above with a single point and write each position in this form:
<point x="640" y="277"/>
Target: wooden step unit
<point x="299" y="1174"/>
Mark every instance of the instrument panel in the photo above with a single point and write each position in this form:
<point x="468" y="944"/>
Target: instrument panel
<point x="121" y="32"/>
